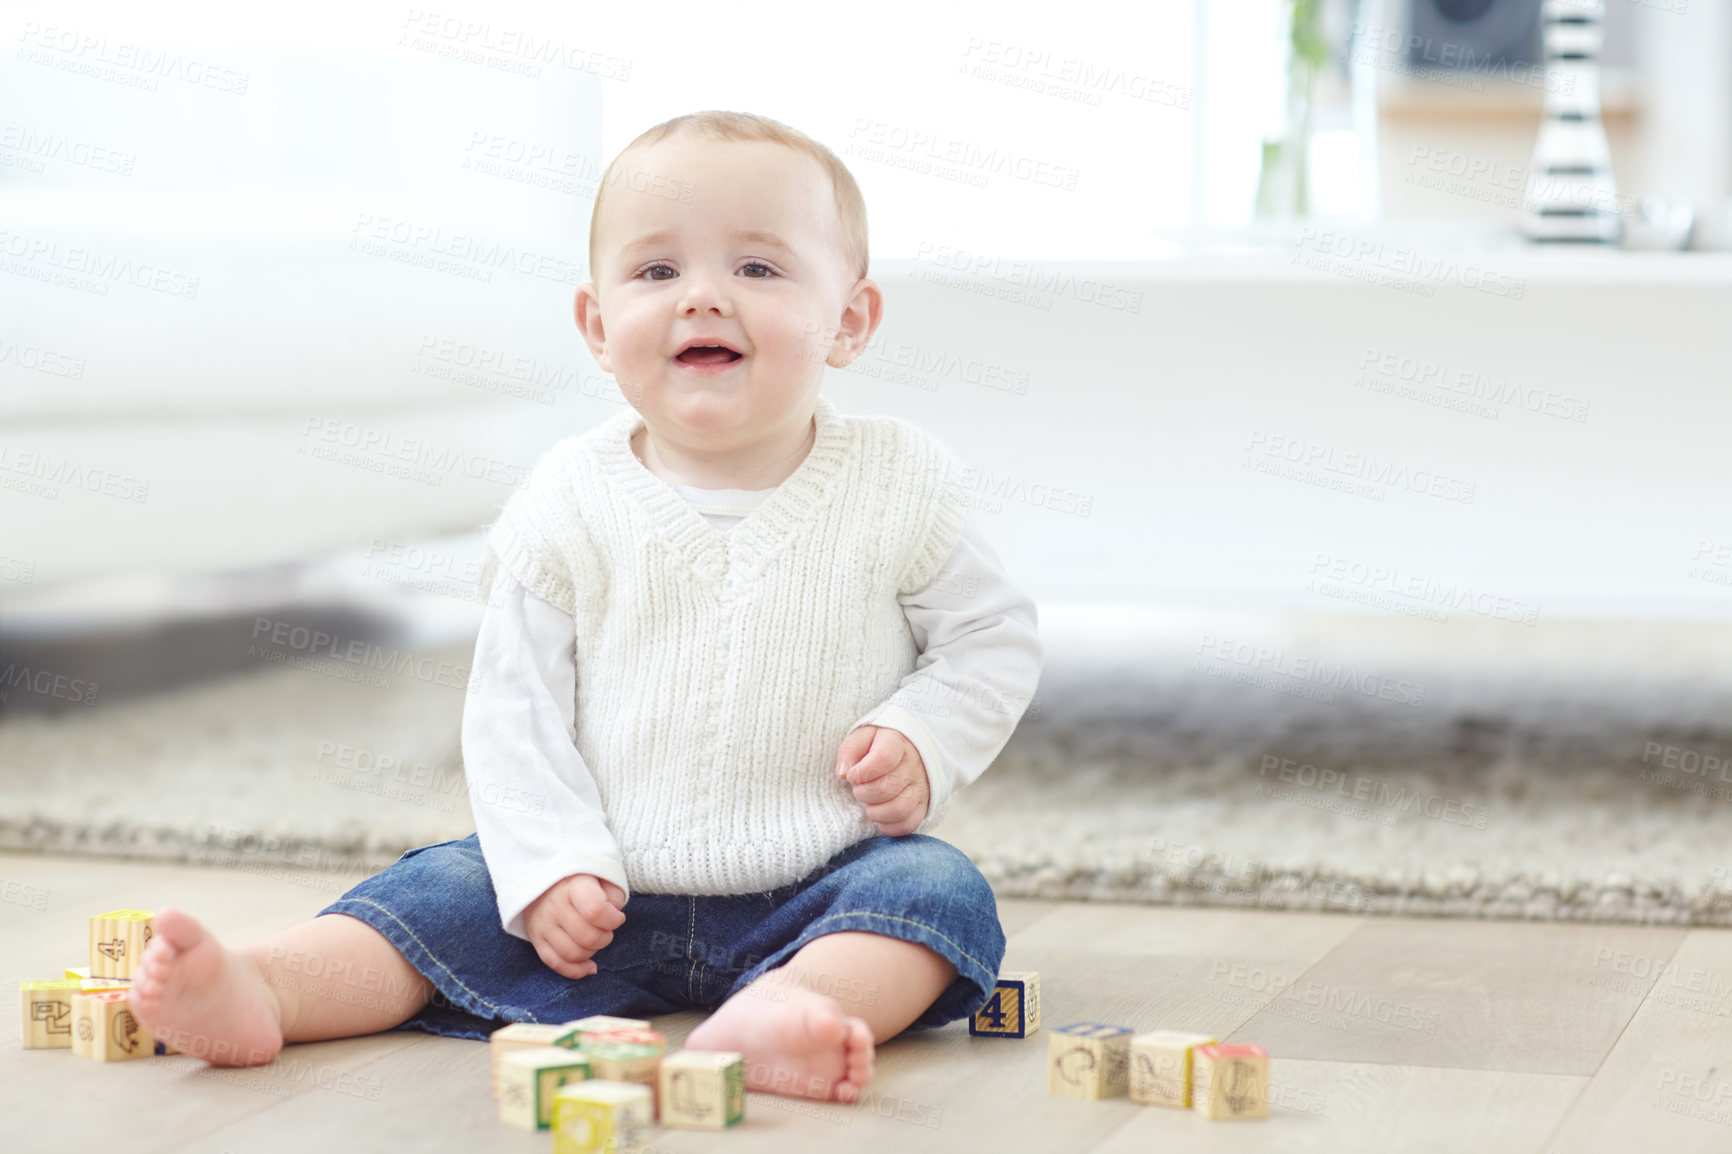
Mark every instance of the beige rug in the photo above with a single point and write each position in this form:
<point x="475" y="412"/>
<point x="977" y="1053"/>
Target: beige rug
<point x="1373" y="763"/>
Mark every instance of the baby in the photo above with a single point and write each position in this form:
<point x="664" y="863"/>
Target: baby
<point x="740" y="649"/>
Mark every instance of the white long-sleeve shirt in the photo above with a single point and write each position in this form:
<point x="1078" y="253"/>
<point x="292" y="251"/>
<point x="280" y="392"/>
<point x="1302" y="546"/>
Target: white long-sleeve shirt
<point x="536" y="805"/>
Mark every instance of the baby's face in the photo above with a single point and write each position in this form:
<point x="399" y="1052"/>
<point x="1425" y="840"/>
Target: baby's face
<point x="750" y="260"/>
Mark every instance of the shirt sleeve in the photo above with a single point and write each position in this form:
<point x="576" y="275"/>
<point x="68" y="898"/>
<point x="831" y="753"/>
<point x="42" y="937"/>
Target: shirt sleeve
<point x="538" y="814"/>
<point x="980" y="659"/>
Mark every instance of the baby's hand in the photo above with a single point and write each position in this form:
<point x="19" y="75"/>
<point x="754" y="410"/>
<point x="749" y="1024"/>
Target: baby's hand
<point x="888" y="777"/>
<point x="574" y="919"/>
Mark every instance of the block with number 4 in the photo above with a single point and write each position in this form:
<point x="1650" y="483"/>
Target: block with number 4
<point x="117" y="939"/>
<point x="1161" y="1062"/>
<point x="703" y="1089"/>
<point x="529" y="1079"/>
<point x="1088" y="1060"/>
<point x="602" y="1117"/>
<point x="1013" y="1011"/>
<point x="1230" y="1081"/>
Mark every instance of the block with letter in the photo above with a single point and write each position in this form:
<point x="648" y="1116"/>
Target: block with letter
<point x="1161" y="1062"/>
<point x="1230" y="1081"/>
<point x="47" y="1016"/>
<point x="1013" y="1010"/>
<point x="528" y="1080"/>
<point x="525" y="1036"/>
<point x="117" y="940"/>
<point x="103" y="1027"/>
<point x="627" y="1062"/>
<point x="602" y="1117"/>
<point x="1088" y="1060"/>
<point x="703" y="1089"/>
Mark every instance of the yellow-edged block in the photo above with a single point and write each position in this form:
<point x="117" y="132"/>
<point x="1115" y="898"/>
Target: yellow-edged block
<point x="117" y="940"/>
<point x="602" y="1117"/>
<point x="525" y="1036"/>
<point x="104" y="1028"/>
<point x="528" y="1080"/>
<point x="1013" y="1011"/>
<point x="627" y="1062"/>
<point x="1088" y="1060"/>
<point x="47" y="1013"/>
<point x="703" y="1089"/>
<point x="78" y="971"/>
<point x="1161" y="1066"/>
<point x="1230" y="1081"/>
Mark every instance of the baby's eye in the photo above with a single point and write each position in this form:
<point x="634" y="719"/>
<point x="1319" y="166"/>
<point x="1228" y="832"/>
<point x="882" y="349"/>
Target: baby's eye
<point x="647" y="269"/>
<point x="759" y="264"/>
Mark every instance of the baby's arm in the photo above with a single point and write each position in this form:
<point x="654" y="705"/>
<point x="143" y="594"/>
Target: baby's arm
<point x="980" y="658"/>
<point x="537" y="811"/>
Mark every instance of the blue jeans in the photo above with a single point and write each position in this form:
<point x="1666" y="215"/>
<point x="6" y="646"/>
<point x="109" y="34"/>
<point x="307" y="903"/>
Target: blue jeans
<point x="675" y="952"/>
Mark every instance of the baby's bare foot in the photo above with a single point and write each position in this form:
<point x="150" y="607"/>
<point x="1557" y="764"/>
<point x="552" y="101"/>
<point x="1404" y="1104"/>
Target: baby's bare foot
<point x="203" y="999"/>
<point x="797" y="1043"/>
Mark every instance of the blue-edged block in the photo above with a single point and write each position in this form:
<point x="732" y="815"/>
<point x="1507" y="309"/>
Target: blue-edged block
<point x="1013" y="1010"/>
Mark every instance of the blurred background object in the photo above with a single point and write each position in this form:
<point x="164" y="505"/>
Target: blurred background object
<point x="1571" y="192"/>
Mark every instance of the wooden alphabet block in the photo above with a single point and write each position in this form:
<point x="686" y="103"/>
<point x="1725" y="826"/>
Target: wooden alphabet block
<point x="525" y="1036"/>
<point x="1013" y="1011"/>
<point x="602" y="1117"/>
<point x="117" y="939"/>
<point x="104" y="1028"/>
<point x="635" y="1036"/>
<point x="606" y="1023"/>
<point x="47" y="1013"/>
<point x="528" y="1080"/>
<point x="627" y="1062"/>
<point x="703" y="1089"/>
<point x="1161" y="1062"/>
<point x="1088" y="1060"/>
<point x="105" y="983"/>
<point x="1230" y="1081"/>
<point x="601" y="1026"/>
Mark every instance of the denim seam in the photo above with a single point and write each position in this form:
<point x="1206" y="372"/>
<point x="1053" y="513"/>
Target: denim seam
<point x="907" y="921"/>
<point x="430" y="954"/>
<point x="691" y="944"/>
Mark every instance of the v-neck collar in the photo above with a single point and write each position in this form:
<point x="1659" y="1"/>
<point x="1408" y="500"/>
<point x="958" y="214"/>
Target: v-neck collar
<point x="704" y="547"/>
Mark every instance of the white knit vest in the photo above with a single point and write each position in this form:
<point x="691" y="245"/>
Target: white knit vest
<point x="719" y="670"/>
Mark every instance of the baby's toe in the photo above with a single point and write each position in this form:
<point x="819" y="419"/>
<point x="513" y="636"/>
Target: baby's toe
<point x="860" y="1054"/>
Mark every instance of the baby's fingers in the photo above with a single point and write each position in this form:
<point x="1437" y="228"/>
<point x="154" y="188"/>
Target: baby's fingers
<point x="558" y="964"/>
<point x="899" y="816"/>
<point x="556" y="945"/>
<point x="589" y="905"/>
<point x="881" y="789"/>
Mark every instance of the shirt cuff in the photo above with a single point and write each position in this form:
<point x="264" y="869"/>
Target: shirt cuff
<point x="523" y="892"/>
<point x="892" y="716"/>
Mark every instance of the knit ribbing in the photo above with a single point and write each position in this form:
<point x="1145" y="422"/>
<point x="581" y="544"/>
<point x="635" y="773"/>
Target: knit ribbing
<point x="719" y="670"/>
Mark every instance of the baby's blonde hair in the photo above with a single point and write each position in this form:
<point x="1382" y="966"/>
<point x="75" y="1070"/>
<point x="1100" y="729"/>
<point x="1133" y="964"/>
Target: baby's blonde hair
<point x="748" y="126"/>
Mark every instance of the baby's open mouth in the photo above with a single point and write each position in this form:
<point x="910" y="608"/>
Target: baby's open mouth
<point x="708" y="355"/>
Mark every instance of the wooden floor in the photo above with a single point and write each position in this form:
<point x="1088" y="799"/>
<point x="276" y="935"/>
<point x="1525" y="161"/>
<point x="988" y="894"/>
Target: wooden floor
<point x="1398" y="1035"/>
